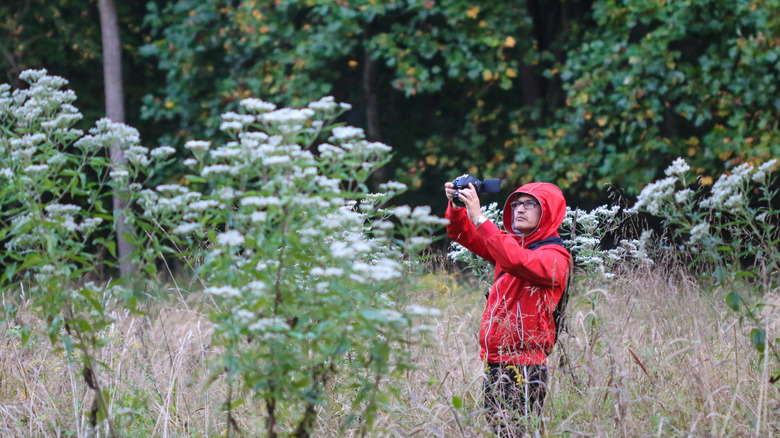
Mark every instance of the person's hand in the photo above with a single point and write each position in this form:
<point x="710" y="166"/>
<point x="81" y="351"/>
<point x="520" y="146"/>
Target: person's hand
<point x="450" y="190"/>
<point x="471" y="199"/>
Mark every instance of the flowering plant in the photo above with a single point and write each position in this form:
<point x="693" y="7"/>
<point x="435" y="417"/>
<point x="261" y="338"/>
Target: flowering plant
<point x="301" y="268"/>
<point x="727" y="233"/>
<point x="303" y="262"/>
<point x="56" y="231"/>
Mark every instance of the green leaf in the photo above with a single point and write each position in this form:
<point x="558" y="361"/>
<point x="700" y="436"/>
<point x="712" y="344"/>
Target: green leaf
<point x="733" y="300"/>
<point x="758" y="339"/>
<point x="457" y="402"/>
<point x="10" y="270"/>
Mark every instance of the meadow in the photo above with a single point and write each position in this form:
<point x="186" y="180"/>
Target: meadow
<point x="649" y="353"/>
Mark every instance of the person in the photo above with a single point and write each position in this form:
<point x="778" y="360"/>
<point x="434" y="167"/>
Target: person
<point x="517" y="331"/>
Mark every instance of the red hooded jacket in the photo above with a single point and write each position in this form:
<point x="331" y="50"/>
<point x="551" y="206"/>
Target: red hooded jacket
<point x="517" y="324"/>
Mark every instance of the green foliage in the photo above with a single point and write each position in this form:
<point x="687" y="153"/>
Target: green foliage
<point x="459" y="53"/>
<point x="655" y="80"/>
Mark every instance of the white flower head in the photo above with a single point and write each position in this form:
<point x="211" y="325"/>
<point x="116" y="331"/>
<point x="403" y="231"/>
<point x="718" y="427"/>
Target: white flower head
<point x="678" y="167"/>
<point x="326" y="104"/>
<point x="186" y="228"/>
<point x="764" y="170"/>
<point x="683" y="196"/>
<point x="402" y="212"/>
<point x="197" y="146"/>
<point x="700" y="232"/>
<point x="287" y="116"/>
<point x="230" y="238"/>
<point x="392" y="186"/>
<point x="36" y="169"/>
<point x="344" y="133"/>
<point x="162" y="152"/>
<point x="119" y="174"/>
<point x="223" y="291"/>
<point x="257" y="105"/>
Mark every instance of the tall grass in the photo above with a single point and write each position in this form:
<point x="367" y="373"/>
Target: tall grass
<point x="651" y="353"/>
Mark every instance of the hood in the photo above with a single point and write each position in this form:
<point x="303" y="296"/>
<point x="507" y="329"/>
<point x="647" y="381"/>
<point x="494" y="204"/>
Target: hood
<point x="553" y="206"/>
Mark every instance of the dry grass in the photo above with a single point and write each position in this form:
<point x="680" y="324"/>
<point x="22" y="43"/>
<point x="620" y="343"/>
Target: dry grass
<point x="650" y="354"/>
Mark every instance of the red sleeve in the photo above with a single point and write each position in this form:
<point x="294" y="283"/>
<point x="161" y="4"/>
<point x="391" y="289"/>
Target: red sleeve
<point x="545" y="266"/>
<point x="461" y="230"/>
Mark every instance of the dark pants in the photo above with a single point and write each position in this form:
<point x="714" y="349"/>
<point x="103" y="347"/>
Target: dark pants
<point x="513" y="392"/>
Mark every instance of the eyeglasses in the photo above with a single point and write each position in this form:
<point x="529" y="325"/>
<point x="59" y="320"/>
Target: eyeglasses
<point x="528" y="205"/>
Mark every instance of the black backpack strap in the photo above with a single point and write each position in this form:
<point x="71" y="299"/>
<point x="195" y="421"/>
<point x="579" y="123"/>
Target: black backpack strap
<point x="559" y="314"/>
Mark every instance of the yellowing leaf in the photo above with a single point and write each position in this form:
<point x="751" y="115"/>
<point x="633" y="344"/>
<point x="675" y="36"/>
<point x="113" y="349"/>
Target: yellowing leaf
<point x="353" y="63"/>
<point x="601" y="121"/>
<point x="168" y="104"/>
<point x="511" y="73"/>
<point x="257" y="14"/>
<point x="473" y="12"/>
<point x="431" y="159"/>
<point x="510" y="42"/>
<point x="707" y="181"/>
<point x="410" y="71"/>
<point x="487" y="74"/>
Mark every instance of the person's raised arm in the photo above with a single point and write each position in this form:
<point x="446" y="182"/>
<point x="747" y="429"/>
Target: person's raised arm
<point x="462" y="228"/>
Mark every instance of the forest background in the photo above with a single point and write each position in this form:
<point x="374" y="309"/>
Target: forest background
<point x="579" y="93"/>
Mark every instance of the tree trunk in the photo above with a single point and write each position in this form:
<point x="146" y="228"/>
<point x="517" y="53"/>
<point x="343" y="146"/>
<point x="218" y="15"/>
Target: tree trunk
<point x="115" y="110"/>
<point x="372" y="101"/>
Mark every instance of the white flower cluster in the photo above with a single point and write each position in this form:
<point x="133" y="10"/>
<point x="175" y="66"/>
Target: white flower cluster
<point x="230" y="238"/>
<point x="257" y="105"/>
<point x="352" y="245"/>
<point x="656" y="195"/>
<point x="223" y="291"/>
<point x="764" y="170"/>
<point x="107" y="134"/>
<point x="234" y="122"/>
<point x="328" y="106"/>
<point x="162" y="152"/>
<point x="42" y="103"/>
<point x="269" y="324"/>
<point x="729" y="191"/>
<point x="382" y="269"/>
<point x="345" y="133"/>
<point x="198" y="147"/>
<point x="287" y="116"/>
<point x="700" y="233"/>
<point x="419" y="215"/>
<point x="678" y="167"/>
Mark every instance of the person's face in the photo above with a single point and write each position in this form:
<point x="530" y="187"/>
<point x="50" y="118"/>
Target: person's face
<point x="525" y="219"/>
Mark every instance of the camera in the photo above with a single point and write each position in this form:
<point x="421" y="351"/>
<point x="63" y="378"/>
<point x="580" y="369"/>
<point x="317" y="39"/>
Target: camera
<point x="463" y="181"/>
